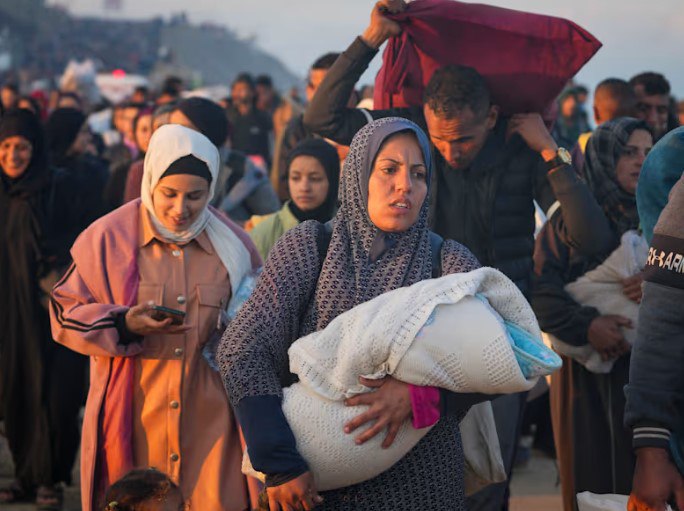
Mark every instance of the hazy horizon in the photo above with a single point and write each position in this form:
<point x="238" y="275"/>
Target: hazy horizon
<point x="298" y="31"/>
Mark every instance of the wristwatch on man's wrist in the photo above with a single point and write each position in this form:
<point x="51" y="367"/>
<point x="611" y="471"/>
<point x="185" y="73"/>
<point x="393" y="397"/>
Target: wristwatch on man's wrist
<point x="562" y="157"/>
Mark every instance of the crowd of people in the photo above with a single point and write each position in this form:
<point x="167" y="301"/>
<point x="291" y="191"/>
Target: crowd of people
<point x="159" y="270"/>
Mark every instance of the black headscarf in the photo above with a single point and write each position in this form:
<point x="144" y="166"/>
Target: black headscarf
<point x="24" y="324"/>
<point x="329" y="159"/>
<point x="61" y="129"/>
<point x="604" y="149"/>
<point x="209" y="118"/>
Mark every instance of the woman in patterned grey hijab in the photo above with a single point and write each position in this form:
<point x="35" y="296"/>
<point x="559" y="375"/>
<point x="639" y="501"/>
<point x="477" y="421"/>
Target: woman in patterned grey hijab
<point x="304" y="286"/>
<point x="607" y="145"/>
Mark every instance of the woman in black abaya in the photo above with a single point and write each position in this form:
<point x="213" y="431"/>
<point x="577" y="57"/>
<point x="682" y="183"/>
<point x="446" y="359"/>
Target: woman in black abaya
<point x="41" y="383"/>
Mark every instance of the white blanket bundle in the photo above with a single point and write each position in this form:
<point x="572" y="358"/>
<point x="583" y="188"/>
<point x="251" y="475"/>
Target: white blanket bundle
<point x="447" y="333"/>
<point x="602" y="288"/>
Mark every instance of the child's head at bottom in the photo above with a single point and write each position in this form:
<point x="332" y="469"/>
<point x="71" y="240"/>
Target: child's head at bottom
<point x="144" y="490"/>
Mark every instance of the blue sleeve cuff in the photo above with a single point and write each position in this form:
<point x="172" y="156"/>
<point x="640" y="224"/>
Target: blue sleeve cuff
<point x="271" y="444"/>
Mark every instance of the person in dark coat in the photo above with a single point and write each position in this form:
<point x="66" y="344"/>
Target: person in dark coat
<point x="252" y="128"/>
<point x="655" y="393"/>
<point x="70" y="148"/>
<point x="489" y="171"/>
<point x="295" y="132"/>
<point x="593" y="448"/>
<point x="41" y="383"/>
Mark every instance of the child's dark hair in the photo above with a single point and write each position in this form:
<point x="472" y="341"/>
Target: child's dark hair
<point x="137" y="488"/>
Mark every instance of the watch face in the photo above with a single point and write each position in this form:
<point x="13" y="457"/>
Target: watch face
<point x="564" y="155"/>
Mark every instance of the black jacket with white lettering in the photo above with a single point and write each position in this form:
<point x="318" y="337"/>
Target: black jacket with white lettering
<point x="655" y="393"/>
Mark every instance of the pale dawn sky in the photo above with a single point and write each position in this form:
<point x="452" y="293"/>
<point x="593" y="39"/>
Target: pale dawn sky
<point x="637" y="35"/>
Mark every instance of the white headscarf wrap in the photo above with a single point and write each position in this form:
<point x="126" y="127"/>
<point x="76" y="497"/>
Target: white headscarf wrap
<point x="168" y="144"/>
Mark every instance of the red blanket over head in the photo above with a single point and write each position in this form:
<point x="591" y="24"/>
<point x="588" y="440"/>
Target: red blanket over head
<point x="525" y="58"/>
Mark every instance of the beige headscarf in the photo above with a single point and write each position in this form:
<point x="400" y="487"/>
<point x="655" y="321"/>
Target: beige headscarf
<point x="168" y="144"/>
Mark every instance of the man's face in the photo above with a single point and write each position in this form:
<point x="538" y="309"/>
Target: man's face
<point x="459" y="137"/>
<point x="265" y="94"/>
<point x="315" y="78"/>
<point x="653" y="110"/>
<point x="569" y="107"/>
<point x="242" y="93"/>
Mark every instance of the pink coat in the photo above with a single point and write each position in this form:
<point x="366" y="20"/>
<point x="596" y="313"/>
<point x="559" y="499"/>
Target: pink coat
<point x="105" y="259"/>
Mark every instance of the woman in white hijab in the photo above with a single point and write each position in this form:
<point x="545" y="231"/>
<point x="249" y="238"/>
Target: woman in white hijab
<point x="154" y="399"/>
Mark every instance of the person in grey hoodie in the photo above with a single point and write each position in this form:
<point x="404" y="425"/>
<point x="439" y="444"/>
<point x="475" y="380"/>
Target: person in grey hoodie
<point x="655" y="393"/>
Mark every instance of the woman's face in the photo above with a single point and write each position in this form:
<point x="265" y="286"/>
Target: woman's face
<point x="83" y="140"/>
<point x="629" y="165"/>
<point x="160" y="120"/>
<point x="178" y="117"/>
<point x="308" y="183"/>
<point x="398" y="184"/>
<point x="143" y="132"/>
<point x="15" y="156"/>
<point x="179" y="199"/>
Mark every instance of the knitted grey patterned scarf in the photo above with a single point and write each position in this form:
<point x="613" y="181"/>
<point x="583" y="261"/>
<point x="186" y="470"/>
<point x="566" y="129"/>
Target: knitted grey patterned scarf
<point x="349" y="275"/>
<point x="604" y="149"/>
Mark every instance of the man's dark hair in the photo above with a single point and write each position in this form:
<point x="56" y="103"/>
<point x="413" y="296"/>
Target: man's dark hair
<point x="614" y="98"/>
<point x="172" y="86"/>
<point x="244" y="78"/>
<point x="70" y="94"/>
<point x="325" y="61"/>
<point x="654" y="84"/>
<point x="454" y="88"/>
<point x="142" y="89"/>
<point x="264" y="80"/>
<point x="138" y="487"/>
<point x="581" y="89"/>
<point x="11" y="86"/>
<point x="618" y="89"/>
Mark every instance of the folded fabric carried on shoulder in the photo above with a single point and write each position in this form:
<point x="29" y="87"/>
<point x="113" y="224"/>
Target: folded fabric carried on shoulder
<point x="526" y="59"/>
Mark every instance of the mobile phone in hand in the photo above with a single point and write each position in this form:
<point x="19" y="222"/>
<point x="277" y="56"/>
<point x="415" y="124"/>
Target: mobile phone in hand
<point x="160" y="313"/>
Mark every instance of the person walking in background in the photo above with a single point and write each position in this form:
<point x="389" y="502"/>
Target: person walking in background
<point x="613" y="98"/>
<point x="41" y="383"/>
<point x="569" y="125"/>
<point x="296" y="131"/>
<point x="70" y="147"/>
<point x="587" y="407"/>
<point x="313" y="177"/>
<point x="653" y="101"/>
<point x="252" y="129"/>
<point x="121" y="154"/>
<point x="158" y="118"/>
<point x="154" y="398"/>
<point x="654" y="410"/>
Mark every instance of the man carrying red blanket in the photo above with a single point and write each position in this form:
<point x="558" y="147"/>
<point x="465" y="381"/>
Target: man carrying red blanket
<point x="489" y="170"/>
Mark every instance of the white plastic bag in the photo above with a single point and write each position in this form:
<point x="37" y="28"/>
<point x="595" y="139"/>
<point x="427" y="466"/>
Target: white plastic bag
<point x="588" y="501"/>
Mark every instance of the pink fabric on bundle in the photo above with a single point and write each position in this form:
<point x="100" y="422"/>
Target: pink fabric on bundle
<point x="425" y="405"/>
<point x="526" y="59"/>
